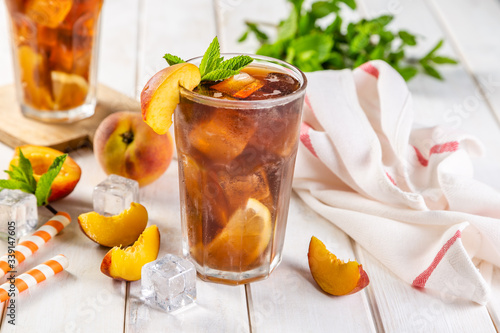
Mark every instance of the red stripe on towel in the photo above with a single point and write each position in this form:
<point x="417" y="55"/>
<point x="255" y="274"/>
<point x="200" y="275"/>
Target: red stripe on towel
<point x="370" y="69"/>
<point x="390" y="178"/>
<point x="421" y="280"/>
<point x="447" y="147"/>
<point x="305" y="139"/>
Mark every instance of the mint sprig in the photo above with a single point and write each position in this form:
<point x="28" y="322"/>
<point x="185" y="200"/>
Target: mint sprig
<point x="320" y="35"/>
<point x="213" y="67"/>
<point x="21" y="178"/>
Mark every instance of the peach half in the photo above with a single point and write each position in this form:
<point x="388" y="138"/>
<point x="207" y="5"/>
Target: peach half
<point x="126" y="264"/>
<point x="117" y="230"/>
<point x="41" y="159"/>
<point x="333" y="275"/>
<point x="160" y="95"/>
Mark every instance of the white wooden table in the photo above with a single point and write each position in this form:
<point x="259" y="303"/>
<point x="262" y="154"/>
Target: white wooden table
<point x="135" y="35"/>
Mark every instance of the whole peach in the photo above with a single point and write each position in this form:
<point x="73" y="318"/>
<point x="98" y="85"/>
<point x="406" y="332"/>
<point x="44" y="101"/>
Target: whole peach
<point x="126" y="146"/>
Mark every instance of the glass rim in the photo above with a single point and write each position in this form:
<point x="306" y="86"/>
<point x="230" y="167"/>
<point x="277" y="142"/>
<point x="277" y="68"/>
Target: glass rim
<point x="254" y="104"/>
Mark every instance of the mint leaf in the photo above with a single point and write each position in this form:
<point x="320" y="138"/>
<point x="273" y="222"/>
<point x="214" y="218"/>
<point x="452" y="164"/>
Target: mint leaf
<point x="444" y="60"/>
<point x="219" y="74"/>
<point x="172" y="59"/>
<point x="236" y="63"/>
<point x="42" y="192"/>
<point x="13" y="184"/>
<point x="26" y="168"/>
<point x="211" y="58"/>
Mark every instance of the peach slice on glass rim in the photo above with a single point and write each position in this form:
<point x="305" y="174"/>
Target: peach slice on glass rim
<point x="333" y="275"/>
<point x="126" y="264"/>
<point x="160" y="96"/>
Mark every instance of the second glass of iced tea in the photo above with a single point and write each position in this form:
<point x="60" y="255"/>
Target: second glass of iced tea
<point x="54" y="47"/>
<point x="236" y="142"/>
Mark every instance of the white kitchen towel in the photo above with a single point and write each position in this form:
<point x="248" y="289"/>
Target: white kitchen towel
<point x="407" y="195"/>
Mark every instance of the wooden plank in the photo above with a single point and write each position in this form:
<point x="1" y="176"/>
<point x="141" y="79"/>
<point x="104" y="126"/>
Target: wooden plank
<point x="81" y="299"/>
<point x="186" y="32"/>
<point x="16" y="130"/>
<point x="470" y="26"/>
<point x="232" y="15"/>
<point x="6" y="72"/>
<point x="402" y="308"/>
<point x="118" y="45"/>
<point x="405" y="309"/>
<point x="290" y="300"/>
<point x="494" y="304"/>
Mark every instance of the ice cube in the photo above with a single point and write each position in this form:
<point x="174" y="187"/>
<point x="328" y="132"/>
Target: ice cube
<point x="18" y="207"/>
<point x="240" y="85"/>
<point x="224" y="136"/>
<point x="238" y="188"/>
<point x="168" y="283"/>
<point x="115" y="194"/>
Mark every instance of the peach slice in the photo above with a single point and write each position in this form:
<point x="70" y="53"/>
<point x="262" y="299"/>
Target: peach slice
<point x="160" y="96"/>
<point x="41" y="158"/>
<point x="117" y="230"/>
<point x="333" y="275"/>
<point x="126" y="264"/>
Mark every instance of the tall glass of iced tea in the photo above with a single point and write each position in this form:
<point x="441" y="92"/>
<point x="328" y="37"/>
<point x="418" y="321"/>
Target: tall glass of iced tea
<point x="54" y="48"/>
<point x="236" y="143"/>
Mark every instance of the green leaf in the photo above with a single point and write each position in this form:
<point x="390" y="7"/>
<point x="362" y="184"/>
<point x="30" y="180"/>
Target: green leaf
<point x="443" y="60"/>
<point x="211" y="57"/>
<point x="383" y="19"/>
<point x="378" y="52"/>
<point x="322" y="44"/>
<point x="261" y="36"/>
<point x="42" y="192"/>
<point x="335" y="61"/>
<point x="297" y="4"/>
<point x="219" y="74"/>
<point x="308" y="61"/>
<point x="288" y="28"/>
<point x="335" y="26"/>
<point x="235" y="63"/>
<point x="359" y="42"/>
<point x="429" y="70"/>
<point x="306" y="24"/>
<point x="350" y="3"/>
<point x="172" y="59"/>
<point x="26" y="169"/>
<point x="434" y="49"/>
<point x="407" y="38"/>
<point x="13" y="184"/>
<point x="351" y="31"/>
<point x="275" y="50"/>
<point x="407" y="72"/>
<point x="243" y="37"/>
<point x="323" y="8"/>
<point x="360" y="60"/>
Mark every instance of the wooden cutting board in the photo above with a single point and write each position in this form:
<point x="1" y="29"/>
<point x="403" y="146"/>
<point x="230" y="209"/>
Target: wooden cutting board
<point x="16" y="130"/>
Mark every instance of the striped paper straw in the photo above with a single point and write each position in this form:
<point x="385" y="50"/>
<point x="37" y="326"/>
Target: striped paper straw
<point x="34" y="276"/>
<point x="32" y="243"/>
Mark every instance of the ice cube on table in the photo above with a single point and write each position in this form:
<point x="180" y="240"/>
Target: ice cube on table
<point x="18" y="207"/>
<point x="115" y="194"/>
<point x="168" y="283"/>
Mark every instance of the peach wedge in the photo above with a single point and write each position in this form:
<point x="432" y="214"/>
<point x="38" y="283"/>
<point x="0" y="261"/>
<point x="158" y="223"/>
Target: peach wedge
<point x="160" y="96"/>
<point x="126" y="264"/>
<point x="333" y="275"/>
<point x="117" y="230"/>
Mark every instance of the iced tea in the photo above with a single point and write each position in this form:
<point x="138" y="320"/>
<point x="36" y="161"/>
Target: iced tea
<point x="236" y="143"/>
<point x="54" y="52"/>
